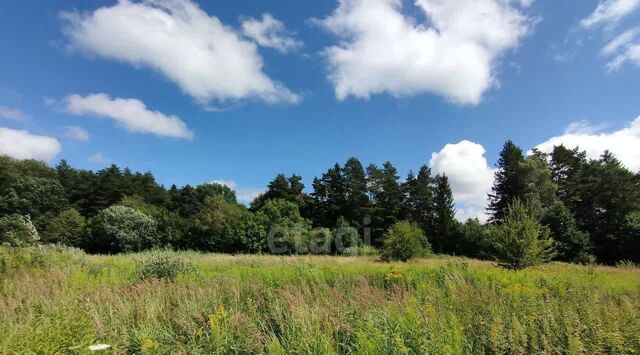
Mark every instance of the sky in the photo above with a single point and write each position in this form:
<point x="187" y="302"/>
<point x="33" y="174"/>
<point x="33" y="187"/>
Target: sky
<point x="237" y="92"/>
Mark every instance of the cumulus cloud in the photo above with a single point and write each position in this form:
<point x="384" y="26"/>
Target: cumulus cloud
<point x="624" y="143"/>
<point x="244" y="194"/>
<point x="453" y="52"/>
<point x="269" y="32"/>
<point x="131" y="114"/>
<point x="12" y="114"/>
<point x="204" y="57"/>
<point x="609" y="12"/>
<point x="469" y="174"/>
<point x="76" y="133"/>
<point x="21" y="144"/>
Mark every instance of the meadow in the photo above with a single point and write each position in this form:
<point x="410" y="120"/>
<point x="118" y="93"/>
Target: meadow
<point x="59" y="300"/>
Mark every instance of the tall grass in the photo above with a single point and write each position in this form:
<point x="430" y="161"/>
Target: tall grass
<point x="320" y="305"/>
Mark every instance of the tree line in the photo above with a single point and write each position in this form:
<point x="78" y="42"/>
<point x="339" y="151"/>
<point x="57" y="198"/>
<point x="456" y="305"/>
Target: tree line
<point x="559" y="206"/>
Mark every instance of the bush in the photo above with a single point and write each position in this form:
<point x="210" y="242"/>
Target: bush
<point x="66" y="228"/>
<point x="521" y="241"/>
<point x="164" y="265"/>
<point x="18" y="231"/>
<point x="403" y="241"/>
<point x="122" y="229"/>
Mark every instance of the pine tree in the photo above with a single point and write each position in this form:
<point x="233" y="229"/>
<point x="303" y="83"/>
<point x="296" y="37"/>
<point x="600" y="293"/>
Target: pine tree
<point x="521" y="240"/>
<point x="445" y="231"/>
<point x="508" y="183"/>
<point x="355" y="187"/>
<point x="418" y="203"/>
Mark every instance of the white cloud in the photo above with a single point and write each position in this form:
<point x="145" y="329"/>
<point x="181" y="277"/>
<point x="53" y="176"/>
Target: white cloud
<point x="623" y="48"/>
<point x="99" y="158"/>
<point x="12" y="114"/>
<point x="453" y="52"/>
<point x="132" y="114"/>
<point x="244" y="194"/>
<point x="624" y="143"/>
<point x="76" y="133"/>
<point x="269" y="32"/>
<point x="21" y="144"/>
<point x="609" y="12"/>
<point x="205" y="58"/>
<point x="469" y="174"/>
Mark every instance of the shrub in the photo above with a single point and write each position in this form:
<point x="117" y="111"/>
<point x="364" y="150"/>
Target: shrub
<point x="521" y="241"/>
<point x="18" y="231"/>
<point x="66" y="228"/>
<point x="122" y="229"/>
<point x="160" y="264"/>
<point x="403" y="241"/>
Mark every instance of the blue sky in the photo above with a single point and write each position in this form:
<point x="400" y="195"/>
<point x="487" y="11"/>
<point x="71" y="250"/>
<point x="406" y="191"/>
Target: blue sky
<point x="218" y="91"/>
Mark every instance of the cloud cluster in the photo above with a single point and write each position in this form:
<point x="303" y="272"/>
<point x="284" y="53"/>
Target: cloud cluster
<point x="205" y="58"/>
<point x="624" y="143"/>
<point x="609" y="12"/>
<point x="469" y="174"/>
<point x="452" y="52"/>
<point x="20" y="144"/>
<point x="624" y="47"/>
<point x="12" y="114"/>
<point x="269" y="32"/>
<point x="244" y="194"/>
<point x="131" y="114"/>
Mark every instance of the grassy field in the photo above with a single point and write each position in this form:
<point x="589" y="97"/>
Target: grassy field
<point x="63" y="302"/>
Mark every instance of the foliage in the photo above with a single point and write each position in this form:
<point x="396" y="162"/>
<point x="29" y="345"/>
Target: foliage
<point x="66" y="228"/>
<point x="386" y="199"/>
<point x="571" y="244"/>
<point x="521" y="240"/>
<point x="345" y="236"/>
<point x="18" y="231"/>
<point x="590" y="207"/>
<point x="472" y="242"/>
<point x="218" y="226"/>
<point x="418" y="205"/>
<point x="283" y="188"/>
<point x="172" y="228"/>
<point x="164" y="265"/>
<point x="404" y="241"/>
<point x="445" y="230"/>
<point x="278" y="219"/>
<point x="315" y="241"/>
<point x="508" y="183"/>
<point x="40" y="198"/>
<point x="121" y="229"/>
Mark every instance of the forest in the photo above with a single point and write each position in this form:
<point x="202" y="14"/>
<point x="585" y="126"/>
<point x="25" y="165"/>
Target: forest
<point x="561" y="206"/>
